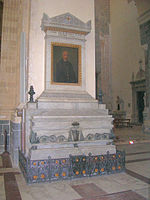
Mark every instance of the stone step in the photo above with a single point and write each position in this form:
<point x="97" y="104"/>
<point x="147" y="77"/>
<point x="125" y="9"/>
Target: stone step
<point x="43" y="151"/>
<point x="70" y="118"/>
<point x="51" y="113"/>
<point x="66" y="121"/>
<point x="59" y="122"/>
<point x="61" y="125"/>
<point x="72" y="144"/>
<point x="83" y="123"/>
<point x="69" y="104"/>
<point x="65" y="124"/>
<point x="70" y="99"/>
<point x="54" y="94"/>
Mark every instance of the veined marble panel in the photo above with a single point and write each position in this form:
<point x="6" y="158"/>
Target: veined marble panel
<point x="2" y="188"/>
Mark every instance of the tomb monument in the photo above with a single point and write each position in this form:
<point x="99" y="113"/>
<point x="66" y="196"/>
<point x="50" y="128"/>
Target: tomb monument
<point x="66" y="132"/>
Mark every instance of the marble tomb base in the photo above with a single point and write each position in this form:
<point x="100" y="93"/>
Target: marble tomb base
<point x="69" y="135"/>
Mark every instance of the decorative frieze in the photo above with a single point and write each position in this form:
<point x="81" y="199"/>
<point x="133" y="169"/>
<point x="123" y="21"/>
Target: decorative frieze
<point x="34" y="139"/>
<point x="65" y="35"/>
<point x="48" y="170"/>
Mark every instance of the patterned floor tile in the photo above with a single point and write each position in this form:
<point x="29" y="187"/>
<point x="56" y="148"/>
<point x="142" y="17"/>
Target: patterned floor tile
<point x="96" y="198"/>
<point x="6" y="160"/>
<point x="138" y="176"/>
<point x="83" y="189"/>
<point x="11" y="187"/>
<point x="89" y="190"/>
<point x="127" y="195"/>
<point x="145" y="192"/>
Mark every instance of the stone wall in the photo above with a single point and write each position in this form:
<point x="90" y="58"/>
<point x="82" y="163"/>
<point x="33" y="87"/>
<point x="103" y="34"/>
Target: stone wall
<point x="15" y="136"/>
<point x="16" y="16"/>
<point x="37" y="42"/>
<point x="126" y="50"/>
<point x="13" y="130"/>
<point x="142" y="6"/>
<point x="4" y="126"/>
<point x="10" y="50"/>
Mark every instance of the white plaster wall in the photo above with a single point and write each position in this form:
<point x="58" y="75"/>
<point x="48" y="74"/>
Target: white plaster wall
<point x="126" y="50"/>
<point x="84" y="10"/>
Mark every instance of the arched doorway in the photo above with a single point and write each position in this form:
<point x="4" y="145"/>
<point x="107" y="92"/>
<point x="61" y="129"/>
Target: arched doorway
<point x="138" y="96"/>
<point x="140" y="105"/>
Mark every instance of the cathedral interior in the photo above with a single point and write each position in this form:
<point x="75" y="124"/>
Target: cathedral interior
<point x="74" y="100"/>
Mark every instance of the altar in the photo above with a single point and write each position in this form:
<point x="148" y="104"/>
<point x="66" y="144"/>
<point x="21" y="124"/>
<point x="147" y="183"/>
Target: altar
<point x="66" y="132"/>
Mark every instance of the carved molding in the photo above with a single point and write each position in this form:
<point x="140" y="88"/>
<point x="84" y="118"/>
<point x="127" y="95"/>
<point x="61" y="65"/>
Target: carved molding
<point x="65" y="23"/>
<point x="34" y="139"/>
<point x="62" y="34"/>
<point x="144" y="17"/>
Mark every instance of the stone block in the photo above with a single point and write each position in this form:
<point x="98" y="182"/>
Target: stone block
<point x="1" y="129"/>
<point x="32" y="105"/>
<point x="1" y="139"/>
<point x="16" y="127"/>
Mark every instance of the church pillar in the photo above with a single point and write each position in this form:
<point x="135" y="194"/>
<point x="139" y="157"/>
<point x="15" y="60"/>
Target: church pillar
<point x="13" y="70"/>
<point x="146" y="114"/>
<point x="148" y="75"/>
<point x="144" y="21"/>
<point x="103" y="60"/>
<point x="9" y="67"/>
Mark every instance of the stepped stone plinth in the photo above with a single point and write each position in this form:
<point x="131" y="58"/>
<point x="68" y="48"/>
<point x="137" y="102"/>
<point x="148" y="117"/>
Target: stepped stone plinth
<point x="50" y="122"/>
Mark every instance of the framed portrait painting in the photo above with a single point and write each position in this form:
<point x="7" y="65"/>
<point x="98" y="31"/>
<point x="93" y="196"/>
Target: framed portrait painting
<point x="65" y="64"/>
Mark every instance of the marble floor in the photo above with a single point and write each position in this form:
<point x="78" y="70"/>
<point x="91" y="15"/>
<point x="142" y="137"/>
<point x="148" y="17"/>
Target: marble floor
<point x="123" y="135"/>
<point x="133" y="184"/>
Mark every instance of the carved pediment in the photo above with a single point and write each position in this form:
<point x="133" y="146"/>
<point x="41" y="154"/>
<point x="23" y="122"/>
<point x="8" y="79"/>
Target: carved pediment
<point x="66" y="22"/>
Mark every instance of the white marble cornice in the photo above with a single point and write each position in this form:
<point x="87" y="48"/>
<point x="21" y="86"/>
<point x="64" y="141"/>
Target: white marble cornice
<point x="59" y="34"/>
<point x="144" y="17"/>
<point x="65" y="23"/>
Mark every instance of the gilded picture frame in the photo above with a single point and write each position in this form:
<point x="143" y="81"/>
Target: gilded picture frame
<point x="66" y="64"/>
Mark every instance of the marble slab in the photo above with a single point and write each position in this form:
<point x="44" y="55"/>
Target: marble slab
<point x="65" y="152"/>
